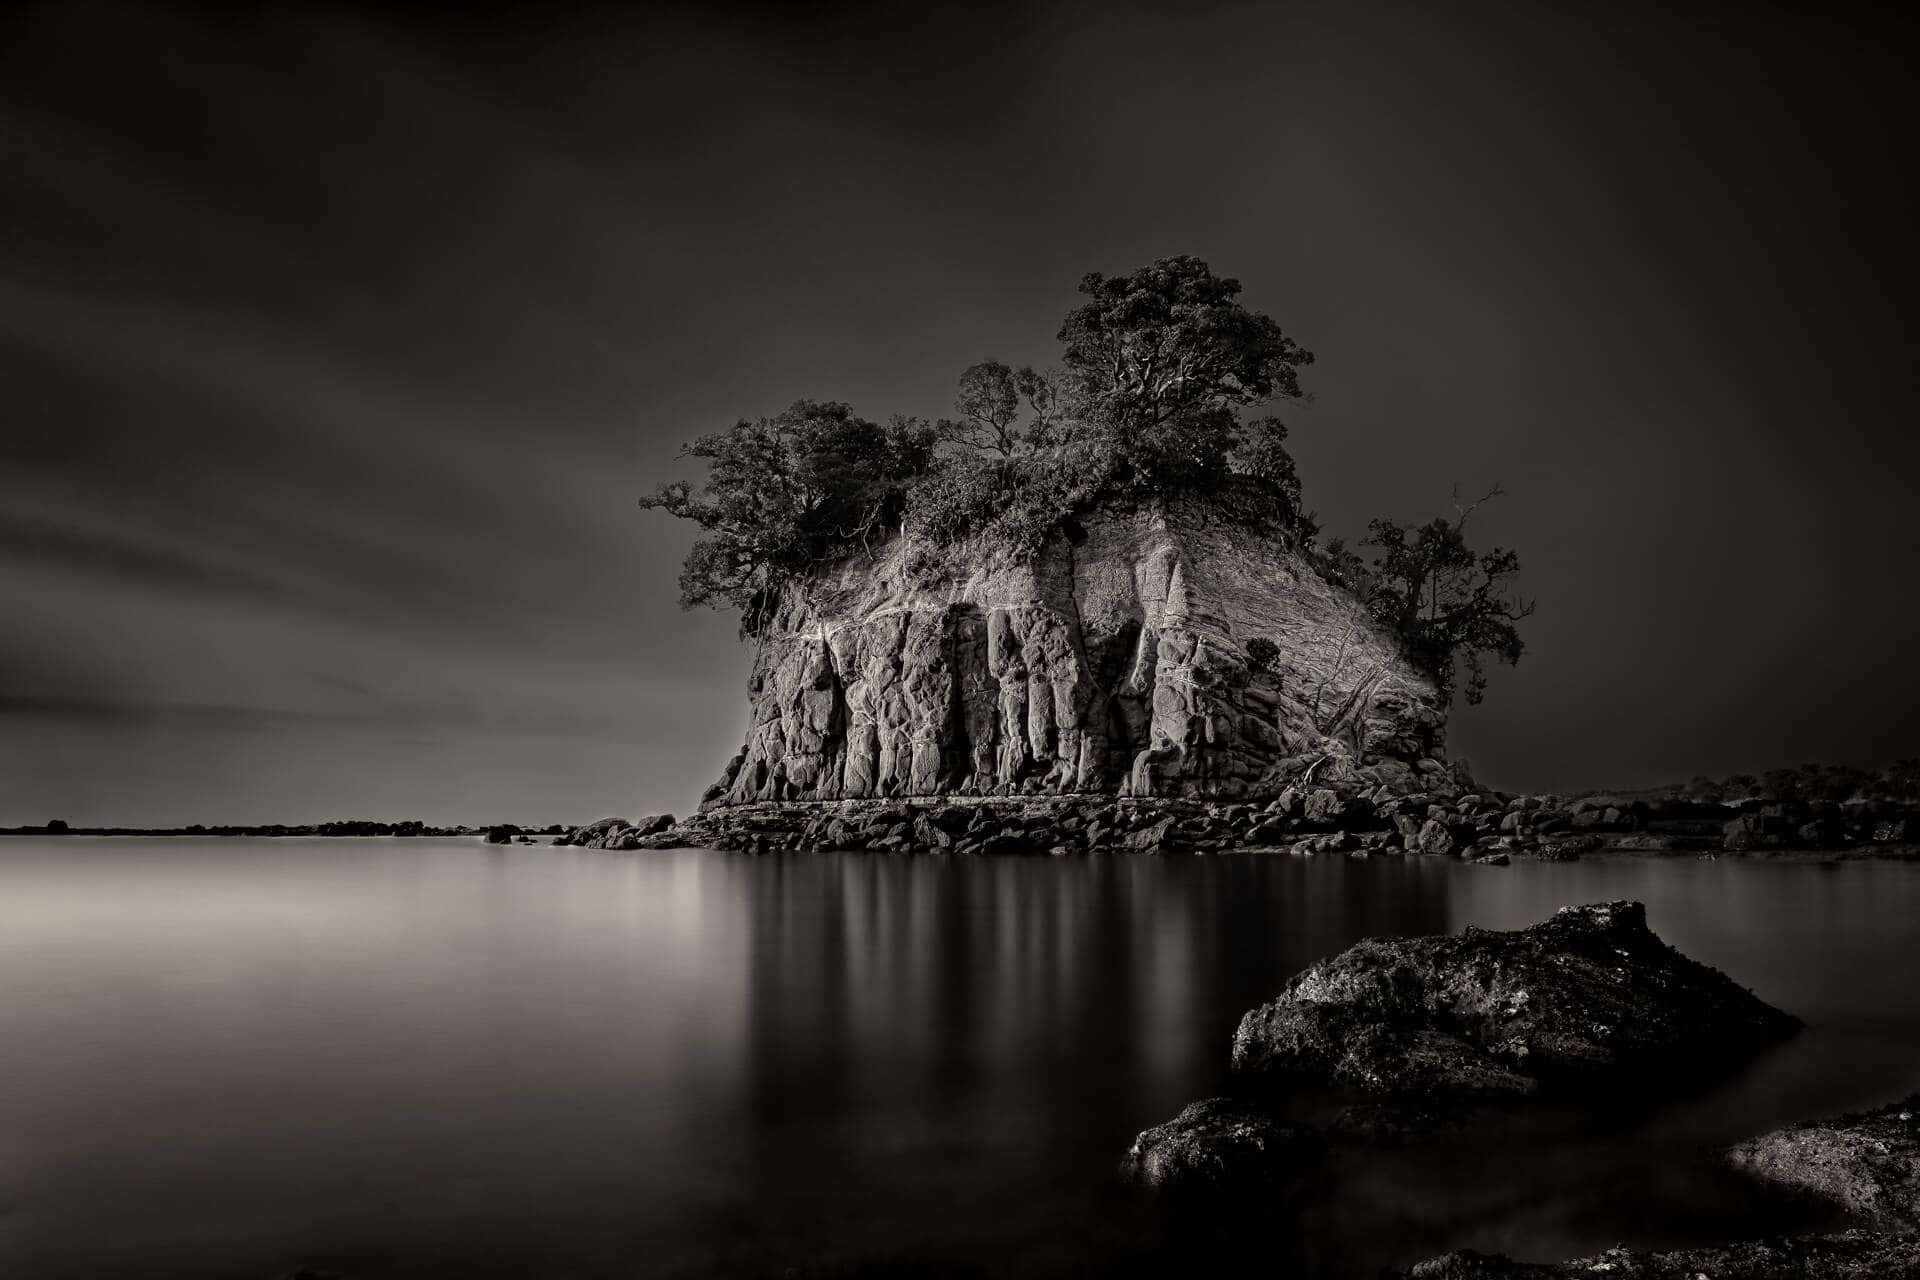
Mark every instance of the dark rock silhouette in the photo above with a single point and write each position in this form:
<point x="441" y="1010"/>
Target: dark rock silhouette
<point x="1219" y="1144"/>
<point x="1590" y="992"/>
<point x="1848" y="1255"/>
<point x="1867" y="1163"/>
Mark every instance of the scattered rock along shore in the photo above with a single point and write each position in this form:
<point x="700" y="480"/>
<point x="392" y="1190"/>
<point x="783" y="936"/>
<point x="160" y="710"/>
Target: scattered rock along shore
<point x="1438" y="1028"/>
<point x="1582" y="1005"/>
<point x="1444" y="818"/>
<point x="1428" y="1026"/>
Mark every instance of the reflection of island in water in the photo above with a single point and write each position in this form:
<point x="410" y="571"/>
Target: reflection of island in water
<point x="350" y="1054"/>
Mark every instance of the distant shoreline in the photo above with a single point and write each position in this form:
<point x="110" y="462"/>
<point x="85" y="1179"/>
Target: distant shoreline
<point x="499" y="833"/>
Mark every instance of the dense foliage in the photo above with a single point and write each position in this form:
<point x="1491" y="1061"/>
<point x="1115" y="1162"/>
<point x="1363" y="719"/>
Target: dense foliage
<point x="785" y="493"/>
<point x="1449" y="605"/>
<point x="1145" y="405"/>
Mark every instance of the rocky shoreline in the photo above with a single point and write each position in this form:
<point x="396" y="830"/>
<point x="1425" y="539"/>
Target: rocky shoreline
<point x="1435" y="1034"/>
<point x="1447" y="819"/>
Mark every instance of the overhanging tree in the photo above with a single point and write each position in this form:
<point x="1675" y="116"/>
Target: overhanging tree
<point x="782" y="494"/>
<point x="1449" y="605"/>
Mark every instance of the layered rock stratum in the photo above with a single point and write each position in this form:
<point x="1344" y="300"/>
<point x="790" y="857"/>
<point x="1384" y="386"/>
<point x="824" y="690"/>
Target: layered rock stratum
<point x="1123" y="661"/>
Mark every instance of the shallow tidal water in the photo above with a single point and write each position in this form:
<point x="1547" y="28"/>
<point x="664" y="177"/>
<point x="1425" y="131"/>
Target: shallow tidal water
<point x="388" y="1058"/>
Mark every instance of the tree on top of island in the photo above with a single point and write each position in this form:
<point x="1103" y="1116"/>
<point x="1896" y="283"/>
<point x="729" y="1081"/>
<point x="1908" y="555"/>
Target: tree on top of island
<point x="1147" y="405"/>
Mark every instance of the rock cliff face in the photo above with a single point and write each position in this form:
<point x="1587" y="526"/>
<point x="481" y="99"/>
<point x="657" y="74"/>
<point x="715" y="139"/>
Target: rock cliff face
<point x="1117" y="662"/>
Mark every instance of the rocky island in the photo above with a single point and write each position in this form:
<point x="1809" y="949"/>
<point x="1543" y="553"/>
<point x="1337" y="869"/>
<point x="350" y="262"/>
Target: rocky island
<point x="1091" y="613"/>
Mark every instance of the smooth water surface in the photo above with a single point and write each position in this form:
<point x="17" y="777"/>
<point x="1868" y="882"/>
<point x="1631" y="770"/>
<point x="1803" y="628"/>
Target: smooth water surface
<point x="388" y="1058"/>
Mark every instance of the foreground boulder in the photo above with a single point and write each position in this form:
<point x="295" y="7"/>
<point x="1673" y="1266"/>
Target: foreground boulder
<point x="1849" y="1255"/>
<point x="1867" y="1163"/>
<point x="1590" y="992"/>
<point x="1218" y="1144"/>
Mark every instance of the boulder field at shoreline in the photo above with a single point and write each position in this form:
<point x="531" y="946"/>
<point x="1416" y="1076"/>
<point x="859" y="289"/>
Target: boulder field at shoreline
<point x="1487" y="827"/>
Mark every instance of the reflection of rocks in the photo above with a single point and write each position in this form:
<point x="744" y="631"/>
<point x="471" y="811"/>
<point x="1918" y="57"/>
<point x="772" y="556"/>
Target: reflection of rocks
<point x="1849" y="1255"/>
<point x="1218" y="1144"/>
<point x="1589" y="993"/>
<point x="1867" y="1163"/>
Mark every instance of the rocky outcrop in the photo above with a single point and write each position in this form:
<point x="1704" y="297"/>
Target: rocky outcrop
<point x="1848" y="1255"/>
<point x="1868" y="1164"/>
<point x="1590" y="992"/>
<point x="1448" y="817"/>
<point x="618" y="833"/>
<point x="1217" y="1145"/>
<point x="1115" y="663"/>
<point x="1434" y="1030"/>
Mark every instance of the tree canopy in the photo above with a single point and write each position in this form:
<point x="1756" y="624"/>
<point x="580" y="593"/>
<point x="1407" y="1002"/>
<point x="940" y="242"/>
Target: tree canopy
<point x="1449" y="605"/>
<point x="1145" y="404"/>
<point x="1162" y="360"/>
<point x="1157" y="368"/>
<point x="785" y="493"/>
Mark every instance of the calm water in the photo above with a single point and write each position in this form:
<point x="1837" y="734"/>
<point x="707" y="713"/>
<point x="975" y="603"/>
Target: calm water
<point x="395" y="1058"/>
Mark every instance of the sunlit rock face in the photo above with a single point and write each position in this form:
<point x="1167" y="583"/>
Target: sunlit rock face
<point x="1116" y="663"/>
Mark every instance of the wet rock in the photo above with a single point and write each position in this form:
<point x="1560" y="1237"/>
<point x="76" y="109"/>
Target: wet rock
<point x="1868" y="1163"/>
<point x="1006" y="843"/>
<point x="644" y="834"/>
<point x="1272" y="831"/>
<point x="1217" y="1144"/>
<point x="1434" y="838"/>
<point x="1153" y="836"/>
<point x="595" y="834"/>
<point x="1568" y="850"/>
<point x="1587" y="994"/>
<point x="1848" y="1255"/>
<point x="1324" y="805"/>
<point x="501" y="835"/>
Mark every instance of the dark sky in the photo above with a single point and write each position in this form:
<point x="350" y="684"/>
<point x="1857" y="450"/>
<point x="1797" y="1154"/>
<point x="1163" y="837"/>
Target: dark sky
<point x="335" y="350"/>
